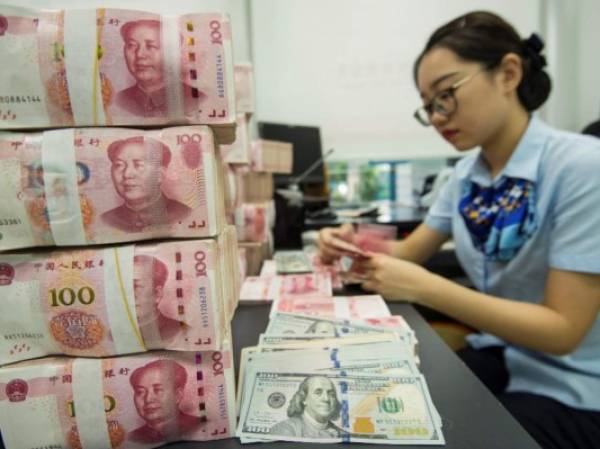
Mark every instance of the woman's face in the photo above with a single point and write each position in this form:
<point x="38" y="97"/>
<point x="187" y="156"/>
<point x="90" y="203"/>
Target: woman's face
<point x="481" y="103"/>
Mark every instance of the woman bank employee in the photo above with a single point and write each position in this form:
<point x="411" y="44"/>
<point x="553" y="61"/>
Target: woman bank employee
<point x="524" y="214"/>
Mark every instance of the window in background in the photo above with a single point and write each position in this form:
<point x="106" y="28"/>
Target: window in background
<point x="355" y="181"/>
<point x="337" y="175"/>
<point x="400" y="181"/>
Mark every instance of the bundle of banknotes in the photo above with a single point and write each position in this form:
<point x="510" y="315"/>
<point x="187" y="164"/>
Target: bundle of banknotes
<point x="178" y="295"/>
<point x="113" y="67"/>
<point x="324" y="377"/>
<point x="271" y="156"/>
<point x="107" y="185"/>
<point x="254" y="221"/>
<point x="257" y="289"/>
<point x="255" y="254"/>
<point x="170" y="301"/>
<point x="244" y="88"/>
<point x="238" y="151"/>
<point x="253" y="187"/>
<point x="307" y="260"/>
<point x="143" y="400"/>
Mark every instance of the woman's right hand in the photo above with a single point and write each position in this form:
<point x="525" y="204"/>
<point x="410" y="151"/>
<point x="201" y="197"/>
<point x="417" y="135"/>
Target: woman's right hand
<point x="327" y="236"/>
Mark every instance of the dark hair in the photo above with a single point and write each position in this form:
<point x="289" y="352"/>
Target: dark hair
<point x="156" y="149"/>
<point x="486" y="38"/>
<point x="129" y="26"/>
<point x="169" y="369"/>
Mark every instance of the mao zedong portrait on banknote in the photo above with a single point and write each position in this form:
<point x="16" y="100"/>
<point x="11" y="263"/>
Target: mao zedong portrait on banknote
<point x="138" y="167"/>
<point x="149" y="282"/>
<point x="157" y="392"/>
<point x="311" y="411"/>
<point x="145" y="59"/>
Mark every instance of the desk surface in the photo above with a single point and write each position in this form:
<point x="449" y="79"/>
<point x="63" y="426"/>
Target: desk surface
<point x="472" y="417"/>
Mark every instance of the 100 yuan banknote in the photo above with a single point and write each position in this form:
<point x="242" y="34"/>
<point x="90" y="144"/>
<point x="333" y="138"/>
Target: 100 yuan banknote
<point x="330" y="408"/>
<point x="106" y="185"/>
<point x="145" y="400"/>
<point x="312" y="285"/>
<point x="113" y="67"/>
<point x="344" y="307"/>
<point x="119" y="300"/>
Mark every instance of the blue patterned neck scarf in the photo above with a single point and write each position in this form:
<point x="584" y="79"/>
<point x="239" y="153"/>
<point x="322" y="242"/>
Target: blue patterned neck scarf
<point x="500" y="218"/>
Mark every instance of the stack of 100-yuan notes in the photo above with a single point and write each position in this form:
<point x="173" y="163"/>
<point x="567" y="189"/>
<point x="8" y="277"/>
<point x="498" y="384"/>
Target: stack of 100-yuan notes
<point x="140" y="331"/>
<point x="346" y="371"/>
<point x="113" y="67"/>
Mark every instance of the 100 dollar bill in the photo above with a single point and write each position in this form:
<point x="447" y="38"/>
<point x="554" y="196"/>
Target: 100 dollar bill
<point x="391" y="359"/>
<point x="106" y="185"/>
<point x="331" y="408"/>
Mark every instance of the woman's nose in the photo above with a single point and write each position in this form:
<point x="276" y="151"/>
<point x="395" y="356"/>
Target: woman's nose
<point x="437" y="118"/>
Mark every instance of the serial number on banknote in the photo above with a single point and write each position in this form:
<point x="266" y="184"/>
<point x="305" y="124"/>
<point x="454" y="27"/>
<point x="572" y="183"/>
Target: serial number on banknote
<point x="23" y="335"/>
<point x="10" y="221"/>
<point x="14" y="99"/>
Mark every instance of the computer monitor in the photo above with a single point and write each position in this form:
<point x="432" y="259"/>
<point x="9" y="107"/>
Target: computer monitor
<point x="307" y="149"/>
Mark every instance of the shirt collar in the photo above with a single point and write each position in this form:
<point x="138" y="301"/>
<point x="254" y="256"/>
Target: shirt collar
<point x="523" y="163"/>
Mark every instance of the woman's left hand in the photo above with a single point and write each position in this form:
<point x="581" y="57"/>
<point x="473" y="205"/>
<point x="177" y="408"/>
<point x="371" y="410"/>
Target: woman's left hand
<point x="395" y="279"/>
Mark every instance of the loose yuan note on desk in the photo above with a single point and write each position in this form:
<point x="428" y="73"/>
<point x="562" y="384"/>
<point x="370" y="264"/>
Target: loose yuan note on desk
<point x="106" y="185"/>
<point x="269" y="288"/>
<point x="344" y="307"/>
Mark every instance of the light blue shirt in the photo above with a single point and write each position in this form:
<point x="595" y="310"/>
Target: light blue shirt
<point x="565" y="168"/>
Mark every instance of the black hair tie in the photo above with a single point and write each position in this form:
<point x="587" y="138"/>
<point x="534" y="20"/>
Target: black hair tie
<point x="533" y="48"/>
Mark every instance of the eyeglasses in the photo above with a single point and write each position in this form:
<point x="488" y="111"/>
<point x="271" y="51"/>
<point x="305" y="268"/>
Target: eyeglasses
<point x="444" y="102"/>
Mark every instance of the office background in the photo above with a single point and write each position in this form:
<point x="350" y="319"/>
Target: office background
<point x="346" y="65"/>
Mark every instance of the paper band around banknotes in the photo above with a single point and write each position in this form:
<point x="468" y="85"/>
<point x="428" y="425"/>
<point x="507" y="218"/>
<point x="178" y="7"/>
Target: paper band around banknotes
<point x="60" y="168"/>
<point x="88" y="400"/>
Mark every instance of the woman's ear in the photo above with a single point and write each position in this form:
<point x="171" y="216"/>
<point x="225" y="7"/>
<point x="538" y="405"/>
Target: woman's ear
<point x="510" y="72"/>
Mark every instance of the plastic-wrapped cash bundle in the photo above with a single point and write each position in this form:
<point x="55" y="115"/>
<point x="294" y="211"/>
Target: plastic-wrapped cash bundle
<point x="86" y="186"/>
<point x="177" y="295"/>
<point x="125" y="402"/>
<point x="114" y="67"/>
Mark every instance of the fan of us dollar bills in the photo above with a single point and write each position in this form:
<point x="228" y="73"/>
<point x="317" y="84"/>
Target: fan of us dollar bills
<point x="327" y="379"/>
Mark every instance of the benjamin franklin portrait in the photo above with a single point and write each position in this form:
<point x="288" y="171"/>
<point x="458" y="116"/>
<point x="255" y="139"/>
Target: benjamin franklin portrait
<point x="311" y="411"/>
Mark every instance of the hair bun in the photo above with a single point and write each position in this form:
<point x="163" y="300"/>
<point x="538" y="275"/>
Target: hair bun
<point x="533" y="47"/>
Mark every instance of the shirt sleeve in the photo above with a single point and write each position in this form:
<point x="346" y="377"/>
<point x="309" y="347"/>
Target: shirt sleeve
<point x="575" y="234"/>
<point x="440" y="213"/>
